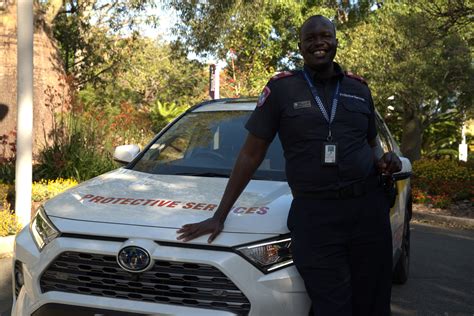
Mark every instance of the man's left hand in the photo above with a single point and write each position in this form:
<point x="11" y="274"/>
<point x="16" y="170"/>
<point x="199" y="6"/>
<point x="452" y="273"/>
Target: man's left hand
<point x="389" y="163"/>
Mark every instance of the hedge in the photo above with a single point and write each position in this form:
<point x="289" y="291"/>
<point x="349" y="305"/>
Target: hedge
<point x="41" y="191"/>
<point x="441" y="182"/>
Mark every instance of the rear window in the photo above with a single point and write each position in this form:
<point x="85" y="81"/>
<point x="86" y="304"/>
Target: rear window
<point x="207" y="144"/>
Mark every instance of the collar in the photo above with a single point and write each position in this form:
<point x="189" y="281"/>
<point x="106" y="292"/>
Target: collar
<point x="338" y="73"/>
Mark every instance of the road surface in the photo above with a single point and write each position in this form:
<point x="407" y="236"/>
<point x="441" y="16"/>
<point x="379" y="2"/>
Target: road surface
<point x="441" y="274"/>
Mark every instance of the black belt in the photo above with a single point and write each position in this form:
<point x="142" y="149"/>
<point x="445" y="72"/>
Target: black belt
<point x="351" y="191"/>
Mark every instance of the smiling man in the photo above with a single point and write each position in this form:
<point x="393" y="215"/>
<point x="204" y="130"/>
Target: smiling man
<point x="339" y="217"/>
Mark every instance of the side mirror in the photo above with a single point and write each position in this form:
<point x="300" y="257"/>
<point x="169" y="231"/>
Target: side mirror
<point x="406" y="171"/>
<point x="126" y="153"/>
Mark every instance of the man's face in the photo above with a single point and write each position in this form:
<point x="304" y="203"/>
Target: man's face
<point x="318" y="43"/>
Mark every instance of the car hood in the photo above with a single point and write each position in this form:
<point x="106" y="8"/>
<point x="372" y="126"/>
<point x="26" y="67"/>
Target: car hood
<point x="135" y="198"/>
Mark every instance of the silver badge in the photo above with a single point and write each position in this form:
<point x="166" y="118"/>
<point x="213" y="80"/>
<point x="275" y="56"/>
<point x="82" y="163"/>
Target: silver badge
<point x="133" y="259"/>
<point x="301" y="105"/>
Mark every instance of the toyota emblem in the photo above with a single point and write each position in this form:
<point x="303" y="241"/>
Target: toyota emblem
<point x="133" y="259"/>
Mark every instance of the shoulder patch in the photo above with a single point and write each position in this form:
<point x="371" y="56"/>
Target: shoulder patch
<point x="282" y="74"/>
<point x="263" y="96"/>
<point x="356" y="77"/>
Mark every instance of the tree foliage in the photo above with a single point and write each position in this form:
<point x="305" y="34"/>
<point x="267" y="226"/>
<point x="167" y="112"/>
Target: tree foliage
<point x="113" y="66"/>
<point x="96" y="36"/>
<point x="154" y="71"/>
<point x="417" y="52"/>
<point x="406" y="57"/>
<point x="256" y="38"/>
<point x="416" y="55"/>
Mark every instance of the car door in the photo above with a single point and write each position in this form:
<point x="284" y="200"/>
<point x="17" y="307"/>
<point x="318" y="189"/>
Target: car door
<point x="398" y="212"/>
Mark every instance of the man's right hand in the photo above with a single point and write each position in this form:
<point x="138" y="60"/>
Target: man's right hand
<point x="250" y="157"/>
<point x="209" y="226"/>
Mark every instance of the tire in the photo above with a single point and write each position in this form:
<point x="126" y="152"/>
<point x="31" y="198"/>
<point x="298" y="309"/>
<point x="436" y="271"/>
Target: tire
<point x="402" y="268"/>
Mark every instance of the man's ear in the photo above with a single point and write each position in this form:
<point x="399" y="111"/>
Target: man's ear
<point x="337" y="42"/>
<point x="299" y="46"/>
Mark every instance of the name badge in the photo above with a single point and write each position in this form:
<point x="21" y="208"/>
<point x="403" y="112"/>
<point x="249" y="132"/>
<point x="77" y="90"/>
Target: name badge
<point x="301" y="105"/>
<point x="329" y="154"/>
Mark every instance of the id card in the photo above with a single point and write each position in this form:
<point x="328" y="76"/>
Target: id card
<point x="329" y="154"/>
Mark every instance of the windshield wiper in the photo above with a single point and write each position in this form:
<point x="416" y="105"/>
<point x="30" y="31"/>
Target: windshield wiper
<point x="216" y="175"/>
<point x="203" y="174"/>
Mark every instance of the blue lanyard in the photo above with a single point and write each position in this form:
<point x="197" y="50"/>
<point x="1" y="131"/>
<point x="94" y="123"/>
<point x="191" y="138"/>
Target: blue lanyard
<point x="320" y="104"/>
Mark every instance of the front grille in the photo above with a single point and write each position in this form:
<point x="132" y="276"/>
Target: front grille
<point x="169" y="282"/>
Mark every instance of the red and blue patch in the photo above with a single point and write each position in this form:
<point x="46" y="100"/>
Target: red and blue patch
<point x="263" y="96"/>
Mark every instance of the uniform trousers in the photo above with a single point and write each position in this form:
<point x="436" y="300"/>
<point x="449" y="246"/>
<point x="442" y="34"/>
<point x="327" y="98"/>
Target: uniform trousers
<point x="342" y="249"/>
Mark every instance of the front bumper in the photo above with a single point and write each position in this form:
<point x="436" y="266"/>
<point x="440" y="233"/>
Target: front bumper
<point x="279" y="293"/>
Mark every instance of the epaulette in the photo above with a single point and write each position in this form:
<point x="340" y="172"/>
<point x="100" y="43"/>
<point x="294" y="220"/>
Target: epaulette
<point x="282" y="74"/>
<point x="356" y="77"/>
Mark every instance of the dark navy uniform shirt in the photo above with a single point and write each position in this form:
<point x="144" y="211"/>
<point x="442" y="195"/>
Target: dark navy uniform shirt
<point x="288" y="108"/>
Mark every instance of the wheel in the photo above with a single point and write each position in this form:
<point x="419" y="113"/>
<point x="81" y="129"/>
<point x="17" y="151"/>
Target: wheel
<point x="402" y="268"/>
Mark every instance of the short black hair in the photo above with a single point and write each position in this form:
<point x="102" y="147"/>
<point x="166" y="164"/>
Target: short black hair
<point x="317" y="16"/>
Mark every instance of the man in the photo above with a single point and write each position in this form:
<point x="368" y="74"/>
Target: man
<point x="339" y="218"/>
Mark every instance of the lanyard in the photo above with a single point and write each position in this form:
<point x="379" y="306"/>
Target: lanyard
<point x="320" y="104"/>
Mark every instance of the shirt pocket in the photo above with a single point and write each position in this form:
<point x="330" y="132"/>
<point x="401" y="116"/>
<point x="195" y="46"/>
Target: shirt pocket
<point x="304" y="124"/>
<point x="356" y="106"/>
<point x="355" y="115"/>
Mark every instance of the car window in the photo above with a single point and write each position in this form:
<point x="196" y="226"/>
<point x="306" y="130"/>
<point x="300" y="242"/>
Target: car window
<point x="207" y="144"/>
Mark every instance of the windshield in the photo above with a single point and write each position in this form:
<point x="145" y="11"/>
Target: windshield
<point x="207" y="144"/>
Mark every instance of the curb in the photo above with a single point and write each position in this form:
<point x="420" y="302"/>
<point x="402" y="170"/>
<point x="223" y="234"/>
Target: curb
<point x="467" y="223"/>
<point x="6" y="246"/>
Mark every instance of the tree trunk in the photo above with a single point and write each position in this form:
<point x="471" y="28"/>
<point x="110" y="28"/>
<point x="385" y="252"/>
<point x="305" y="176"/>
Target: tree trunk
<point x="48" y="74"/>
<point x="412" y="134"/>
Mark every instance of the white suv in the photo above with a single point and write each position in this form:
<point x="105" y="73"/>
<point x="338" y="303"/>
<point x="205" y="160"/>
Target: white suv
<point x="108" y="246"/>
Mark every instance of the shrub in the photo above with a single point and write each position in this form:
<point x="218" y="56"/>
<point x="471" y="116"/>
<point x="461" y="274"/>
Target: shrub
<point x="8" y="223"/>
<point x="84" y="136"/>
<point x="440" y="182"/>
<point x="46" y="189"/>
<point x="73" y="159"/>
<point x="4" y="190"/>
<point x="163" y="113"/>
<point x="7" y="157"/>
<point x="7" y="193"/>
<point x="76" y="150"/>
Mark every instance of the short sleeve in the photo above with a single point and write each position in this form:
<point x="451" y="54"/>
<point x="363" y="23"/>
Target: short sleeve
<point x="264" y="120"/>
<point x="372" y="130"/>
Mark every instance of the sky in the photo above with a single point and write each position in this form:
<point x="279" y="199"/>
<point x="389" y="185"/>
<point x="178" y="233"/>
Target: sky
<point x="167" y="18"/>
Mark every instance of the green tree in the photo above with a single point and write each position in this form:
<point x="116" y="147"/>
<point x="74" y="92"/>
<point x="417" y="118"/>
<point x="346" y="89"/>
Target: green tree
<point x="96" y="36"/>
<point x="153" y="71"/>
<point x="414" y="58"/>
<point x="256" y="38"/>
<point x="159" y="71"/>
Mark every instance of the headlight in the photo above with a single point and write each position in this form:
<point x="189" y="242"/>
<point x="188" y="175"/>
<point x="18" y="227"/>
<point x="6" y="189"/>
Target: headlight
<point x="42" y="229"/>
<point x="270" y="255"/>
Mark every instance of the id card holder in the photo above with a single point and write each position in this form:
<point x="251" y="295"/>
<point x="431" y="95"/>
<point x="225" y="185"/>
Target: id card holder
<point x="329" y="154"/>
